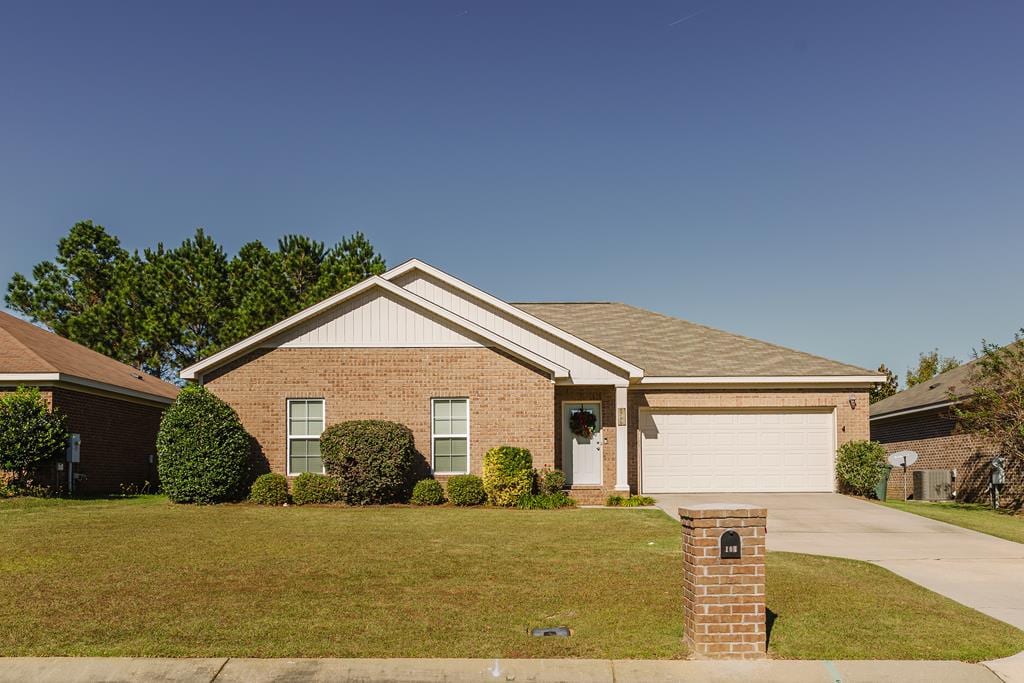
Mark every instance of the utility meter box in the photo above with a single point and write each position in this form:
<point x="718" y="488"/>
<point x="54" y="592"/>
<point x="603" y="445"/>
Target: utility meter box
<point x="933" y="485"/>
<point x="75" y="448"/>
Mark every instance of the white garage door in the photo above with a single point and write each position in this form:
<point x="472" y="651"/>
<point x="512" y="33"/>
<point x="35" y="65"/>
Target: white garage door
<point x="741" y="451"/>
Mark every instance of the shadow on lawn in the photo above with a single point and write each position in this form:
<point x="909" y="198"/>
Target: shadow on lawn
<point x="769" y="617"/>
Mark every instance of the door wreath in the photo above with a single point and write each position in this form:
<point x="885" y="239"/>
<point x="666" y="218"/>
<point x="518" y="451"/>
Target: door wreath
<point x="583" y="423"/>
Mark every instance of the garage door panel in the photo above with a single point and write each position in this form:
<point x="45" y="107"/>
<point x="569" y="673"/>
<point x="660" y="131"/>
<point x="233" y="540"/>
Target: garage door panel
<point x="736" y="451"/>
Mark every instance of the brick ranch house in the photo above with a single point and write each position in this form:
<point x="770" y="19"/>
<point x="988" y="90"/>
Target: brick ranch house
<point x="113" y="408"/>
<point x="921" y="419"/>
<point x="678" y="407"/>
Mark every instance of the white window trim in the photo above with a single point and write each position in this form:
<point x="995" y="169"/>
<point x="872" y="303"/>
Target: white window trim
<point x="433" y="436"/>
<point x="288" y="433"/>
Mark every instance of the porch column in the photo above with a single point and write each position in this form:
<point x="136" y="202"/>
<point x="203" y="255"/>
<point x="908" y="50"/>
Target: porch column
<point x="621" y="442"/>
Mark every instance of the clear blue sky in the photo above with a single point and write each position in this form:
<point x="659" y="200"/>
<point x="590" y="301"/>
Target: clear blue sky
<point x="843" y="178"/>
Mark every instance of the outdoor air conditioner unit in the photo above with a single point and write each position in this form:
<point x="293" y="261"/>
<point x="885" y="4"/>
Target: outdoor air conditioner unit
<point x="933" y="485"/>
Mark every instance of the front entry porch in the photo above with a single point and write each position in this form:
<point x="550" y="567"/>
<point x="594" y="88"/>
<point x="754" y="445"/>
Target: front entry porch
<point x="595" y="465"/>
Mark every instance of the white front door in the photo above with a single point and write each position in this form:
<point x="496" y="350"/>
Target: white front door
<point x="581" y="455"/>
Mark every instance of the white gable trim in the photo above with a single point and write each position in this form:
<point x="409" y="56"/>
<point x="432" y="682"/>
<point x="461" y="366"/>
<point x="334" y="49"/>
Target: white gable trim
<point x="634" y="371"/>
<point x="236" y="350"/>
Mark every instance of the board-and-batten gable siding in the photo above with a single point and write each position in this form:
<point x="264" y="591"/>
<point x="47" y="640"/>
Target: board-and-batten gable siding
<point x="374" y="320"/>
<point x="580" y="366"/>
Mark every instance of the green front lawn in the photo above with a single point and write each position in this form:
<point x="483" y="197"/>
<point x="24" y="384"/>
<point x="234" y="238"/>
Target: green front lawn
<point x="144" y="577"/>
<point x="983" y="518"/>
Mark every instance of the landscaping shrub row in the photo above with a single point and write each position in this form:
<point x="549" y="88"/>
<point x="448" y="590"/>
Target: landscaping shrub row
<point x="204" y="457"/>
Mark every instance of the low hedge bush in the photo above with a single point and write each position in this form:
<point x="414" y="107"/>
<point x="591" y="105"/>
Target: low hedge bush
<point x="551" y="481"/>
<point x="629" y="501"/>
<point x="508" y="475"/>
<point x="373" y="460"/>
<point x="203" y="449"/>
<point x="860" y="466"/>
<point x="465" y="490"/>
<point x="427" y="492"/>
<point x="545" y="501"/>
<point x="310" y="488"/>
<point x="269" y="489"/>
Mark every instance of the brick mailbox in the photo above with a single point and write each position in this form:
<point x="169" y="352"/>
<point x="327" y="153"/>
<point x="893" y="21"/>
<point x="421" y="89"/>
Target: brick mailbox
<point x="723" y="580"/>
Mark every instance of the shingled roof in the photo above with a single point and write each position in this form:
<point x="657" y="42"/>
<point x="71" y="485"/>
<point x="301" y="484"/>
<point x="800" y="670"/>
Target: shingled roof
<point x="670" y="347"/>
<point x="935" y="392"/>
<point x="26" y="349"/>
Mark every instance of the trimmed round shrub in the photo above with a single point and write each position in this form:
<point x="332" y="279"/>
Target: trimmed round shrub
<point x="860" y="466"/>
<point x="508" y="475"/>
<point x="466" y="489"/>
<point x="374" y="461"/>
<point x="310" y="488"/>
<point x="30" y="434"/>
<point x="203" y="450"/>
<point x="552" y="481"/>
<point x="427" y="492"/>
<point x="269" y="489"/>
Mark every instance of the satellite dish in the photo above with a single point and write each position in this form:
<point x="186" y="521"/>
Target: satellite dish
<point x="903" y="459"/>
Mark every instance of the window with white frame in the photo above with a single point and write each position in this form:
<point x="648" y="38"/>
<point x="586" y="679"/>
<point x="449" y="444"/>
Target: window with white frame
<point x="450" y="435"/>
<point x="305" y="424"/>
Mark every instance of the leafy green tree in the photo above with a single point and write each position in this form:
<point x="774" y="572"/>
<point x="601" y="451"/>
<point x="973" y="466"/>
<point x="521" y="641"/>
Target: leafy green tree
<point x="994" y="408"/>
<point x="30" y="433"/>
<point x="192" y="303"/>
<point x="887" y="388"/>
<point x="929" y="365"/>
<point x="88" y="293"/>
<point x="170" y="307"/>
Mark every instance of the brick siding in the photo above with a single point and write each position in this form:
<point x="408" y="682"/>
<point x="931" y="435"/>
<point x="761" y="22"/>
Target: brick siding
<point x="851" y="424"/>
<point x="724" y="599"/>
<point x="118" y="438"/>
<point x="934" y="437"/>
<point x="509" y="402"/>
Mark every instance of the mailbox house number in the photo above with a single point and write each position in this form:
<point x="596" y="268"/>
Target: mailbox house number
<point x="729" y="545"/>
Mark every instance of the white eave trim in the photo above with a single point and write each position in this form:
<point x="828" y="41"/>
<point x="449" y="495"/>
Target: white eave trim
<point x="911" y="411"/>
<point x="63" y="378"/>
<point x="557" y="371"/>
<point x="29" y="376"/>
<point x="781" y="379"/>
<point x="634" y="371"/>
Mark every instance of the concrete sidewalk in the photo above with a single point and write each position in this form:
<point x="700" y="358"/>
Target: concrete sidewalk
<point x="116" y="670"/>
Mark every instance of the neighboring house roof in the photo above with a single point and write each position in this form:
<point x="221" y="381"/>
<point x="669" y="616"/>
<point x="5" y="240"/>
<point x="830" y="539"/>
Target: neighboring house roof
<point x="31" y="354"/>
<point x="931" y="394"/>
<point x="671" y="347"/>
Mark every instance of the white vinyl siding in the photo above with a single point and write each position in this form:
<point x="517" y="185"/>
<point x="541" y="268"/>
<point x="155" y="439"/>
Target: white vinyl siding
<point x="305" y="425"/>
<point x="449" y="421"/>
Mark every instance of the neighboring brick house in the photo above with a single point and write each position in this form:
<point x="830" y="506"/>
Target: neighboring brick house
<point x="921" y="419"/>
<point x="114" y="408"/>
<point x="676" y="406"/>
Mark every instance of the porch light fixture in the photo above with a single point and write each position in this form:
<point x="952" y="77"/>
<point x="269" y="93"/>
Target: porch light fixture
<point x="853" y="402"/>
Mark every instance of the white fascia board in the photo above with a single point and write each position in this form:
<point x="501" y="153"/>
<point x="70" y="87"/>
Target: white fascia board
<point x="63" y="378"/>
<point x="29" y="376"/>
<point x="910" y="411"/>
<point x="782" y="379"/>
<point x="257" y="339"/>
<point x="634" y="371"/>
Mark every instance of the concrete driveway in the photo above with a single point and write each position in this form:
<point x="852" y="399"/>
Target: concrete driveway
<point x="978" y="570"/>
